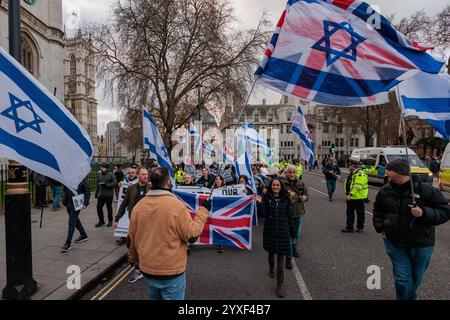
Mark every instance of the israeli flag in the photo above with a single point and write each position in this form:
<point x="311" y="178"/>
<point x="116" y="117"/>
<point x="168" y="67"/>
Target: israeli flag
<point x="427" y="96"/>
<point x="193" y="132"/>
<point x="243" y="167"/>
<point x="37" y="130"/>
<point x="209" y="148"/>
<point x="300" y="128"/>
<point x="155" y="144"/>
<point x="252" y="136"/>
<point x="228" y="155"/>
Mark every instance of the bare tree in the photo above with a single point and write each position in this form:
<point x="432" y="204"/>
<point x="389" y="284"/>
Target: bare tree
<point x="155" y="53"/>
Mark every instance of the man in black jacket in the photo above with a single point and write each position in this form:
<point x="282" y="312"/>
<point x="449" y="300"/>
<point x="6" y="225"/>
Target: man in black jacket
<point x="74" y="220"/>
<point x="331" y="172"/>
<point x="408" y="230"/>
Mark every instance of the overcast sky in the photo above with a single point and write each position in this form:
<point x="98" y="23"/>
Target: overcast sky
<point x="248" y="13"/>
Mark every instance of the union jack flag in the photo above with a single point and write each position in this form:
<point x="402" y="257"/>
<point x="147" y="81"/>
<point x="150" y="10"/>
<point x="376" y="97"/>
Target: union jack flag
<point x="332" y="52"/>
<point x="229" y="222"/>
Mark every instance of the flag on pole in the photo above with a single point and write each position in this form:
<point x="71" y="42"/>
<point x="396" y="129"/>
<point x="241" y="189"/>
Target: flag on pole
<point x="333" y="52"/>
<point x="37" y="130"/>
<point x="243" y="168"/>
<point x="209" y="148"/>
<point x="300" y="128"/>
<point x="228" y="155"/>
<point x="193" y="131"/>
<point x="252" y="136"/>
<point x="427" y="96"/>
<point x="154" y="143"/>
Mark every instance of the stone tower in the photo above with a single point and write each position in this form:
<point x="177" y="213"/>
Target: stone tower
<point x="79" y="82"/>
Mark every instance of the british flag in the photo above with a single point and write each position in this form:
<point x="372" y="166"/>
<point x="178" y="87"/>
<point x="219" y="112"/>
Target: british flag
<point x="229" y="222"/>
<point x="339" y="52"/>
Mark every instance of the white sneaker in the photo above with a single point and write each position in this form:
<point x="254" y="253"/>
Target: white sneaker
<point x="136" y="276"/>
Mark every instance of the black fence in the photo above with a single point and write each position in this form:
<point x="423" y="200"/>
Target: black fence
<point x="92" y="179"/>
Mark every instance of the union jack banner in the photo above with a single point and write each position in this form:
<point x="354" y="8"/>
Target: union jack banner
<point x="229" y="222"/>
<point x="339" y="52"/>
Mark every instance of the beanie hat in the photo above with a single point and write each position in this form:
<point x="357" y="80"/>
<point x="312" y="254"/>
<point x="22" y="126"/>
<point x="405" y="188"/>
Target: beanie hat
<point x="400" y="166"/>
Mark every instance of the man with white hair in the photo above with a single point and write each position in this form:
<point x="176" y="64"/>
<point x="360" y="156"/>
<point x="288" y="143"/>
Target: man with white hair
<point x="298" y="194"/>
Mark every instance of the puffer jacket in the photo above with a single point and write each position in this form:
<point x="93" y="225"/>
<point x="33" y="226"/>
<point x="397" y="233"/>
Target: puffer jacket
<point x="278" y="224"/>
<point x="392" y="214"/>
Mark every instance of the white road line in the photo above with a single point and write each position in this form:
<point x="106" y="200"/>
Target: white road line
<point x="318" y="191"/>
<point x="301" y="283"/>
<point x="367" y="212"/>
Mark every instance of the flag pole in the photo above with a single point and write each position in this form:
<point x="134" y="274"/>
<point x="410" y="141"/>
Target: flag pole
<point x="405" y="143"/>
<point x="19" y="259"/>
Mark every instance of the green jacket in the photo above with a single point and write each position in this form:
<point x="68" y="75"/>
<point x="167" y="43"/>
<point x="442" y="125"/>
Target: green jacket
<point x="299" y="189"/>
<point x="359" y="185"/>
<point x="106" y="184"/>
<point x="299" y="169"/>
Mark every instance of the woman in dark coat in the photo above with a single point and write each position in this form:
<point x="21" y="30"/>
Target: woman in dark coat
<point x="278" y="229"/>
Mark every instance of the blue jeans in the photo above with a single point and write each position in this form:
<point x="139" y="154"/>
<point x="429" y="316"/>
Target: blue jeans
<point x="57" y="197"/>
<point x="173" y="289"/>
<point x="331" y="187"/>
<point x="297" y="227"/>
<point x="409" y="265"/>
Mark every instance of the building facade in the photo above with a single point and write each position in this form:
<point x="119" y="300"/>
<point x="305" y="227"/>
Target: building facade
<point x="42" y="42"/>
<point x="79" y="82"/>
<point x="112" y="136"/>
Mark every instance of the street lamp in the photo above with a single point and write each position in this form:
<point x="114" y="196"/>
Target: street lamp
<point x="19" y="260"/>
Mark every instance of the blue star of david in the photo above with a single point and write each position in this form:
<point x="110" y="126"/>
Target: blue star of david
<point x="11" y="113"/>
<point x="324" y="44"/>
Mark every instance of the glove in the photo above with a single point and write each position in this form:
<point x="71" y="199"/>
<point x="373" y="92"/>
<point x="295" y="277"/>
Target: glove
<point x="207" y="204"/>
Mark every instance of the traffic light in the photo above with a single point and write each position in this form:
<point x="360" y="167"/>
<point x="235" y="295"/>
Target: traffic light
<point x="332" y="149"/>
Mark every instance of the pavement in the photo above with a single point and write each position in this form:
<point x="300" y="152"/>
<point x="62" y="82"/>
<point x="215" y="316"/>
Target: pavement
<point x="50" y="265"/>
<point x="331" y="266"/>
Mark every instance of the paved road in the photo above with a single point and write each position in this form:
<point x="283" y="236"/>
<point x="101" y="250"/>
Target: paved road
<point x="332" y="265"/>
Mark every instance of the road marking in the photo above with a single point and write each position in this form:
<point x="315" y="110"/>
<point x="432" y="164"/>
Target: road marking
<point x="367" y="212"/>
<point x="301" y="283"/>
<point x="117" y="283"/>
<point x="112" y="282"/>
<point x="319" y="191"/>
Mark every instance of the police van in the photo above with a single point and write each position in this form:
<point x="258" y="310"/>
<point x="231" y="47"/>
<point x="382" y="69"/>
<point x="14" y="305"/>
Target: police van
<point x="374" y="161"/>
<point x="444" y="174"/>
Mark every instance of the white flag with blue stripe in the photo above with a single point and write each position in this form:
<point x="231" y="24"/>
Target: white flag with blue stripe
<point x="37" y="130"/>
<point x="300" y="128"/>
<point x="243" y="168"/>
<point x="154" y="143"/>
<point x="252" y="136"/>
<point x="427" y="96"/>
<point x="193" y="132"/>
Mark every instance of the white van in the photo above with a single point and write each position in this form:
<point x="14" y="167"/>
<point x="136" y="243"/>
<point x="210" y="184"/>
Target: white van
<point x="444" y="174"/>
<point x="374" y="161"/>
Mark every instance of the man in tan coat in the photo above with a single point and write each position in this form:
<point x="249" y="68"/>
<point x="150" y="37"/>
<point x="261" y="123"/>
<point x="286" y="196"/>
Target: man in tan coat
<point x="159" y="231"/>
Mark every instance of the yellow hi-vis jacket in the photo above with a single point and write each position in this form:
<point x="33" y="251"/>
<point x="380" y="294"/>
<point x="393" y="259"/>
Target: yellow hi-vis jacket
<point x="179" y="176"/>
<point x="299" y="170"/>
<point x="359" y="187"/>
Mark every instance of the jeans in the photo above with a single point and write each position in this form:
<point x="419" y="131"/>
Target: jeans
<point x="297" y="227"/>
<point x="331" y="187"/>
<point x="357" y="205"/>
<point x="100" y="203"/>
<point x="57" y="197"/>
<point x="74" y="223"/>
<point x="409" y="266"/>
<point x="173" y="289"/>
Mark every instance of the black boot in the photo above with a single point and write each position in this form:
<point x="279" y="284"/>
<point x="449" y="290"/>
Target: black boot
<point x="280" y="277"/>
<point x="271" y="265"/>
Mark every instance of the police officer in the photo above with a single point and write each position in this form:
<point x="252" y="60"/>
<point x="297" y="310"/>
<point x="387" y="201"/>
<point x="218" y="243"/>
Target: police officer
<point x="299" y="169"/>
<point x="356" y="191"/>
<point x="179" y="176"/>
